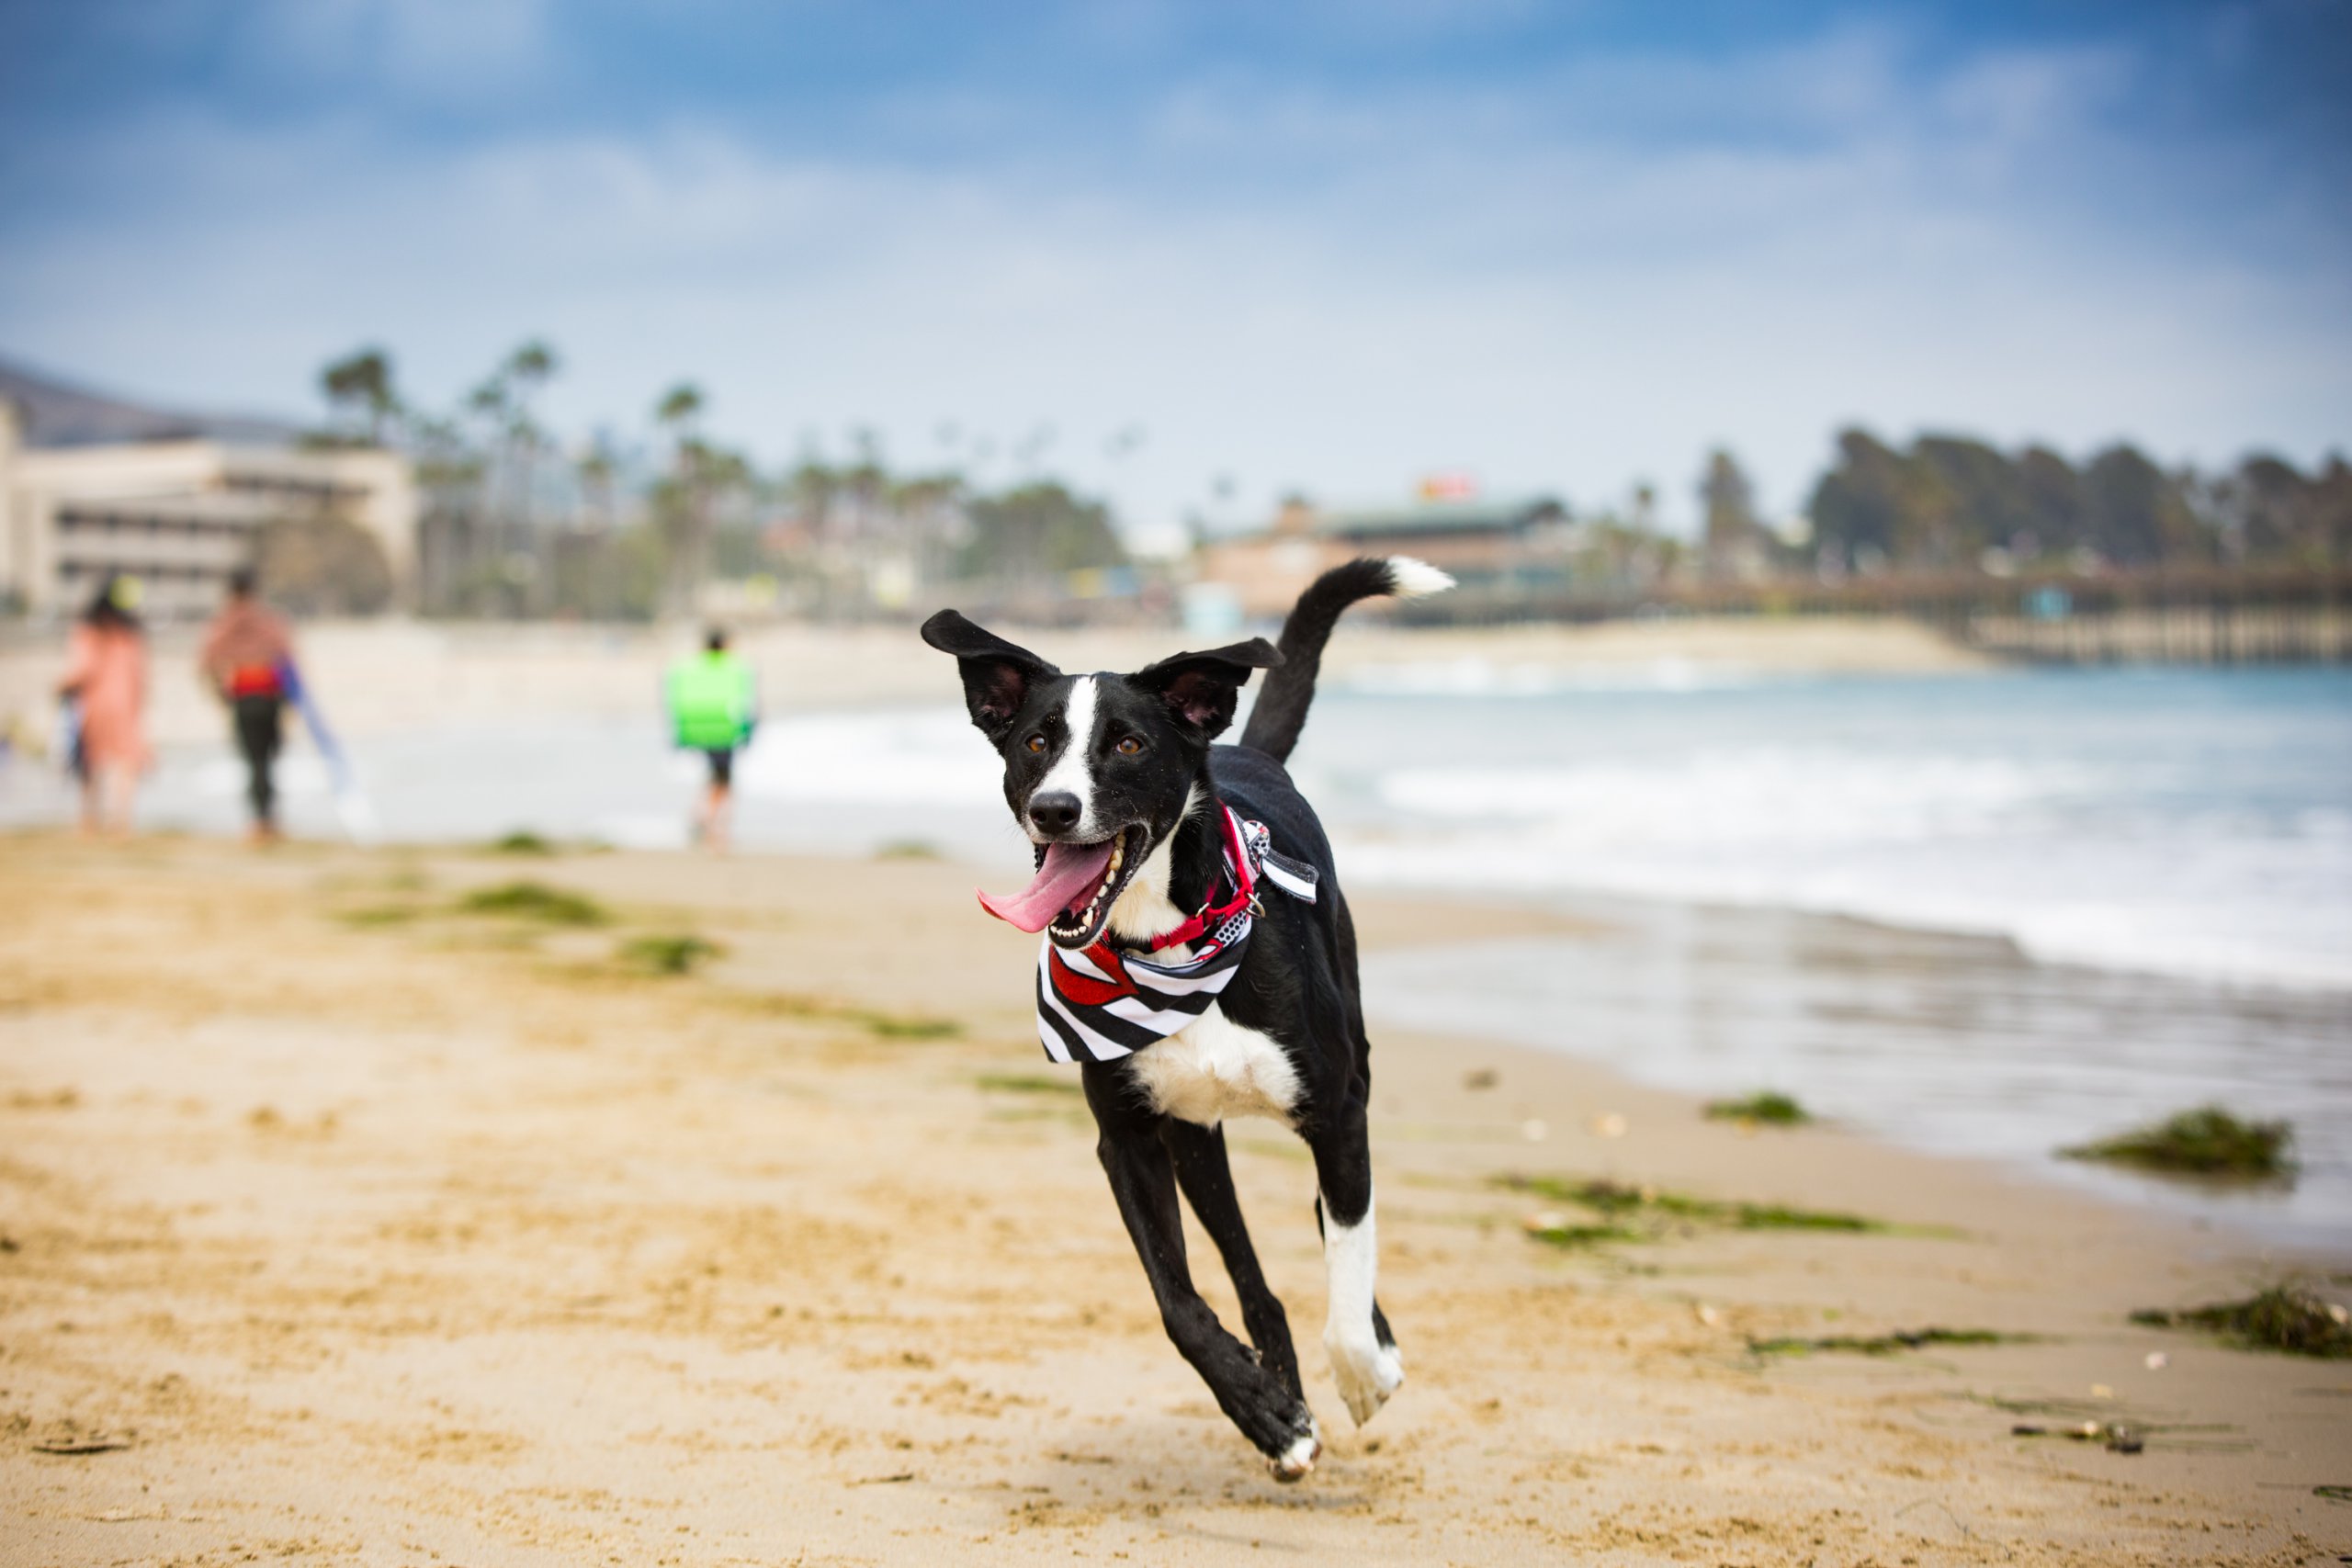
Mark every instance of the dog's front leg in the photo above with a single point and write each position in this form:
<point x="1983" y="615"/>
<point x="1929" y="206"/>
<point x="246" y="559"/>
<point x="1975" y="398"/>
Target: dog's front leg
<point x="1366" y="1362"/>
<point x="1205" y="1176"/>
<point x="1143" y="1180"/>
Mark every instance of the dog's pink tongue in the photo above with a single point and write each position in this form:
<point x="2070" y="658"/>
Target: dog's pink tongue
<point x="1070" y="870"/>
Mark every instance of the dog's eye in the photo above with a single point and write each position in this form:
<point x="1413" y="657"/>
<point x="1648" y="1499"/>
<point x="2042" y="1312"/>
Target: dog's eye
<point x="1130" y="747"/>
<point x="1036" y="743"/>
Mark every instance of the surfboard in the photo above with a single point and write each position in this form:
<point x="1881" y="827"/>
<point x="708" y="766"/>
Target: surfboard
<point x="352" y="807"/>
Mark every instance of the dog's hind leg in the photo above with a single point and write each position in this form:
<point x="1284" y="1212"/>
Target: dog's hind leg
<point x="1206" y="1177"/>
<point x="1143" y="1180"/>
<point x="1364" y="1360"/>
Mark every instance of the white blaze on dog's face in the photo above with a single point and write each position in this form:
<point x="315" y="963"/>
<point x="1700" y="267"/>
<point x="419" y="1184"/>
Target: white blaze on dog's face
<point x="1098" y="769"/>
<point x="1071" y="772"/>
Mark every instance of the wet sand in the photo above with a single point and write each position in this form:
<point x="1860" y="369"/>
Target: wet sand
<point x="382" y="1233"/>
<point x="1954" y="1043"/>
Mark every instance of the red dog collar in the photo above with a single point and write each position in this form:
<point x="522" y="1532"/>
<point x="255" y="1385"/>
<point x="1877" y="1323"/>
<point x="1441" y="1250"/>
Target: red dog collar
<point x="1245" y="890"/>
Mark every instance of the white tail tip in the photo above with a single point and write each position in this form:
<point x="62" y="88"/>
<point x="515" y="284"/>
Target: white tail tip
<point x="1410" y="578"/>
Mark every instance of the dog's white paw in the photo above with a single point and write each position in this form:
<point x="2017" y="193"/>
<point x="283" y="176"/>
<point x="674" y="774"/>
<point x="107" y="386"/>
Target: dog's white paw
<point x="1367" y="1373"/>
<point x="1295" y="1461"/>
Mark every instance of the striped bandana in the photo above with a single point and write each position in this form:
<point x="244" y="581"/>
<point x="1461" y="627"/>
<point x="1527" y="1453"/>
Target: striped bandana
<point x="1100" y="1004"/>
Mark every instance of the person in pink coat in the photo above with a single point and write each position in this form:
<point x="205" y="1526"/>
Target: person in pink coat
<point x="107" y="677"/>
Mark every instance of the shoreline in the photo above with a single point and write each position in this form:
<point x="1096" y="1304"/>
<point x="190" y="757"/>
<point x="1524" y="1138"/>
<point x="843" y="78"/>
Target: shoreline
<point x="395" y="675"/>
<point x="316" y="1180"/>
<point x="2311" y="981"/>
<point x="1795" y="1035"/>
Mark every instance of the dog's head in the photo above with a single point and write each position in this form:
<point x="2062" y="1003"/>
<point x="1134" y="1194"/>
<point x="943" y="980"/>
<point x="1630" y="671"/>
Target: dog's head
<point x="1098" y="769"/>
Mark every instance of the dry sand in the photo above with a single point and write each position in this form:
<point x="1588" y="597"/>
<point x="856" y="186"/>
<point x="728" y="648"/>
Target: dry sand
<point x="384" y="1234"/>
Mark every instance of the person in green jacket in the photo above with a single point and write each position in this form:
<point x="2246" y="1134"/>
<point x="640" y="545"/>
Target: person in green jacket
<point x="714" y="706"/>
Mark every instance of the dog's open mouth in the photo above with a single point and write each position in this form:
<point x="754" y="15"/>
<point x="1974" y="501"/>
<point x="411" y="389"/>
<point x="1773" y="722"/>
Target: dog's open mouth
<point x="1069" y="899"/>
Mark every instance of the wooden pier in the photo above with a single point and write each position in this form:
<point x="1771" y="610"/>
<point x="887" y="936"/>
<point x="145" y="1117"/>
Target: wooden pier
<point x="2212" y="615"/>
<point x="2199" y="634"/>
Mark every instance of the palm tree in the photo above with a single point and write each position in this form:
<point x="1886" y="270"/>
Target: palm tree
<point x="680" y="411"/>
<point x="363" y="378"/>
<point x="534" y="362"/>
<point x="527" y="369"/>
<point x="680" y="406"/>
<point x="598" y="473"/>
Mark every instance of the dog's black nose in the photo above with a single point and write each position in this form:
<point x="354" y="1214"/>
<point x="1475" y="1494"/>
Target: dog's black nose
<point x="1056" y="813"/>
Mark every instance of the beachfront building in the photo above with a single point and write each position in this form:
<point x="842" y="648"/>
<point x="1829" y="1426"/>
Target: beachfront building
<point x="89" y="486"/>
<point x="1519" y="540"/>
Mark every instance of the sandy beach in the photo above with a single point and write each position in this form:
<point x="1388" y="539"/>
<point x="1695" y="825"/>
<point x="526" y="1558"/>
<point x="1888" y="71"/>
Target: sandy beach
<point x="378" y="1231"/>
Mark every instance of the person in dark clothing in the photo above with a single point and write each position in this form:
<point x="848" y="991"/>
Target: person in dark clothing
<point x="244" y="660"/>
<point x="261" y="732"/>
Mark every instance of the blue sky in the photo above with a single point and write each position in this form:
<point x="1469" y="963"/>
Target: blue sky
<point x="1328" y="245"/>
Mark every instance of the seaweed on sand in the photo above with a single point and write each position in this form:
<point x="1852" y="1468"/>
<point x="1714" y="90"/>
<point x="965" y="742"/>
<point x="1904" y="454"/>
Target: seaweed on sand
<point x="1769" y="1109"/>
<point x="535" y="901"/>
<point x="1554" y="1232"/>
<point x="1618" y="1203"/>
<point x="2286" y="1318"/>
<point x="881" y="1025"/>
<point x="678" y="952"/>
<point x="903" y="1026"/>
<point x="371" y="917"/>
<point x="2207" y="1141"/>
<point x="1029" y="1083"/>
<point x="1882" y="1344"/>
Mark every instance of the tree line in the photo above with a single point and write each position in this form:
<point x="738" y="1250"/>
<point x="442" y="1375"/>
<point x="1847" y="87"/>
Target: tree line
<point x="1947" y="503"/>
<point x="636" y="525"/>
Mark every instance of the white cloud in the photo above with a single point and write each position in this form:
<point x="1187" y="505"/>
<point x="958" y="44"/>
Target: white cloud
<point x="1466" y="279"/>
<point x="431" y="49"/>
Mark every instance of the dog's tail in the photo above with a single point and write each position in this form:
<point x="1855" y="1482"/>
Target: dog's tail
<point x="1282" y="703"/>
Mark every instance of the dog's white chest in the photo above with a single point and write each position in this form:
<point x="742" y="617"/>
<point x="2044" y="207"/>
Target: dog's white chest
<point x="1214" y="1069"/>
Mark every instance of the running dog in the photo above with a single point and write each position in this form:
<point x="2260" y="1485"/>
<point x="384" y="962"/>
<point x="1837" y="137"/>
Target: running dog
<point x="1198" y="963"/>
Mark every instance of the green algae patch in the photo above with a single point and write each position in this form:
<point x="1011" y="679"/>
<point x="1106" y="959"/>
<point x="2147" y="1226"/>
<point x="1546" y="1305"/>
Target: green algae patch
<point x="904" y="1026"/>
<point x="2208" y="1141"/>
<point x="1781" y="1217"/>
<point x="2287" y="1319"/>
<point x="1643" y="1210"/>
<point x="668" y="953"/>
<point x="881" y="1025"/>
<point x="376" y="917"/>
<point x="1571" y="1237"/>
<point x="537" y="902"/>
<point x="1767" y="1109"/>
<point x="1889" y="1344"/>
<point x="1029" y="1083"/>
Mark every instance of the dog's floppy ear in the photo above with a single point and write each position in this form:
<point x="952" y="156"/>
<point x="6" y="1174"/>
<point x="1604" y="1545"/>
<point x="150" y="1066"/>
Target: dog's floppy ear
<point x="1201" y="689"/>
<point x="997" y="674"/>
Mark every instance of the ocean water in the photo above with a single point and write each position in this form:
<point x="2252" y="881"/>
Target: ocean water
<point x="1992" y="916"/>
<point x="1989" y="914"/>
<point x="2190" y="823"/>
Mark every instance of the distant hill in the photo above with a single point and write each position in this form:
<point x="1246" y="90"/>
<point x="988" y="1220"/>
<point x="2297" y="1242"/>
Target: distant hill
<point x="56" y="414"/>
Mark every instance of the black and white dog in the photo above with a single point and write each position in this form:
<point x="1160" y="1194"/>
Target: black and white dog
<point x="1146" y="832"/>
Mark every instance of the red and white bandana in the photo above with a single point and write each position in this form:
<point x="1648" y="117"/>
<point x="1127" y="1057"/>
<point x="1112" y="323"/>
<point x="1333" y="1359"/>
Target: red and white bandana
<point x="1102" y="1004"/>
